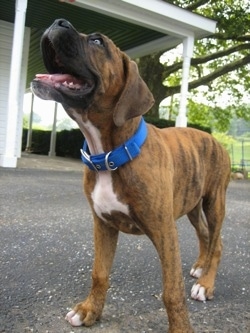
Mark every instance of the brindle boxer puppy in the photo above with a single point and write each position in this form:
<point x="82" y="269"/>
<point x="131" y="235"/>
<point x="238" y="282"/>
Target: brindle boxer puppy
<point x="146" y="184"/>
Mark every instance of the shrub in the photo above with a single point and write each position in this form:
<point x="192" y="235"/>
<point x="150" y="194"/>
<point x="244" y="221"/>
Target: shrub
<point x="162" y="123"/>
<point x="225" y="140"/>
<point x="69" y="143"/>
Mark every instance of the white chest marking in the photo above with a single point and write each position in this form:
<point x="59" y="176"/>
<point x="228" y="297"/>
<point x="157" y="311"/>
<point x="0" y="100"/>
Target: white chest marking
<point x="104" y="198"/>
<point x="91" y="133"/>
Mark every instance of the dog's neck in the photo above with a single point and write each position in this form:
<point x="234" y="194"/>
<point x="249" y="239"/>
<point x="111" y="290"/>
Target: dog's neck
<point x="101" y="133"/>
<point x="119" y="156"/>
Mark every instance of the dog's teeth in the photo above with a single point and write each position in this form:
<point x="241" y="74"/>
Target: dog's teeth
<point x="71" y="85"/>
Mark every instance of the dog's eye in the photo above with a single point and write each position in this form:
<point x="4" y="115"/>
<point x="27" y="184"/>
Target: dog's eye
<point x="97" y="41"/>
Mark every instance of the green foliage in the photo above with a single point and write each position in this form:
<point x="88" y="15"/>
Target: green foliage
<point x="222" y="118"/>
<point x="221" y="63"/>
<point x="247" y="135"/>
<point x="40" y="141"/>
<point x="64" y="124"/>
<point x="243" y="111"/>
<point x="25" y="121"/>
<point x="243" y="148"/>
<point x="160" y="123"/>
<point x="225" y="140"/>
<point x="163" y="123"/>
<point x="240" y="154"/>
<point x="199" y="114"/>
<point x="68" y="143"/>
<point x="35" y="121"/>
<point x="219" y="119"/>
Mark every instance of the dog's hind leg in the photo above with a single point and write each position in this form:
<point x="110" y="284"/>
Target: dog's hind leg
<point x="214" y="209"/>
<point x="198" y="220"/>
<point x="90" y="310"/>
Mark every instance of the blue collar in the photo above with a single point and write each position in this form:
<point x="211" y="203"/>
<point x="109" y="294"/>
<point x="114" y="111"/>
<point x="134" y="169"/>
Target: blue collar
<point x="120" y="155"/>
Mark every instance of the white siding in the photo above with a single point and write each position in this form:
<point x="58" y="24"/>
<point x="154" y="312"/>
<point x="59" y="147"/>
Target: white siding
<point x="6" y="37"/>
<point x="6" y="34"/>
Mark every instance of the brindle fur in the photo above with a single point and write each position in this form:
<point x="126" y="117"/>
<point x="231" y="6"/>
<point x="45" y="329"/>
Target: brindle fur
<point x="179" y="171"/>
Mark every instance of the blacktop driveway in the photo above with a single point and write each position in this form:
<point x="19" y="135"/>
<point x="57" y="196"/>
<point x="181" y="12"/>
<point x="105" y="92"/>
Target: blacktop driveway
<point x="46" y="258"/>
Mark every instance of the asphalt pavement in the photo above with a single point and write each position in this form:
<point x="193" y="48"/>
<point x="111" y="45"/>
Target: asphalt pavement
<point x="46" y="254"/>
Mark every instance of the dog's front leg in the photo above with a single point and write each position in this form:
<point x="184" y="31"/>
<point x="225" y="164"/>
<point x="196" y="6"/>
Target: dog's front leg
<point x="90" y="310"/>
<point x="166" y="242"/>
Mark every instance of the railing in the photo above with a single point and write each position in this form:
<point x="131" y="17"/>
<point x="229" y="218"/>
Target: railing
<point x="240" y="157"/>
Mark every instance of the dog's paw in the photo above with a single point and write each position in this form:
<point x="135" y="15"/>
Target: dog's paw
<point x="198" y="293"/>
<point x="85" y="313"/>
<point x="73" y="318"/>
<point x="196" y="272"/>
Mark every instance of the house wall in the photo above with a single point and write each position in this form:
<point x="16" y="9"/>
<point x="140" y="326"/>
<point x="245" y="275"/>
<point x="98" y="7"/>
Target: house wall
<point x="6" y="38"/>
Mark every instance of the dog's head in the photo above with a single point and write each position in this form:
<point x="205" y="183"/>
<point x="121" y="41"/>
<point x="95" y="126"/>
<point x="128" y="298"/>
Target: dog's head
<point x="90" y="72"/>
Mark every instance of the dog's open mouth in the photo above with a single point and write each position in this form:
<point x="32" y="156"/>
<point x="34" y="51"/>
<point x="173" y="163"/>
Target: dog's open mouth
<point x="61" y="78"/>
<point x="65" y="82"/>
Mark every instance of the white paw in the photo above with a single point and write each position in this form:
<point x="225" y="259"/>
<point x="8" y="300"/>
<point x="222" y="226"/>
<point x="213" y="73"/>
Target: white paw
<point x="198" y="293"/>
<point x="73" y="318"/>
<point x="196" y="272"/>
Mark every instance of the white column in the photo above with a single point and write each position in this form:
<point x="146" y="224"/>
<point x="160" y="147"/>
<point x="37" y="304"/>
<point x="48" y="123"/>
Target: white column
<point x="188" y="45"/>
<point x="52" y="151"/>
<point x="9" y="158"/>
<point x="29" y="134"/>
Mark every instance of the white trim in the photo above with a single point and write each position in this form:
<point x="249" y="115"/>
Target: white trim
<point x="153" y="14"/>
<point x="156" y="45"/>
<point x="184" y="18"/>
<point x="9" y="157"/>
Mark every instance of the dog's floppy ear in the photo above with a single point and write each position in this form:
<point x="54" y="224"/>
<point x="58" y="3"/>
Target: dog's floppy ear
<point x="135" y="99"/>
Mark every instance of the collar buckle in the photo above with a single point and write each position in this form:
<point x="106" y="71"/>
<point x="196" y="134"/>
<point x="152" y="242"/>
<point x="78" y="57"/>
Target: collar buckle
<point x="109" y="164"/>
<point x="86" y="156"/>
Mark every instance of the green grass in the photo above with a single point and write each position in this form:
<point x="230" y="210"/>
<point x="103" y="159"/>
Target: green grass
<point x="237" y="153"/>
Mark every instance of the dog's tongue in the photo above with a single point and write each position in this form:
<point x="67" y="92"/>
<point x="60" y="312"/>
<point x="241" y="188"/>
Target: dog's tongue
<point x="61" y="79"/>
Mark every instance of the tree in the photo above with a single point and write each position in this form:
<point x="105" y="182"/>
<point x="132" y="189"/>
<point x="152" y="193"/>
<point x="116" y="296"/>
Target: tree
<point x="64" y="124"/>
<point x="26" y="119"/>
<point x="216" y="118"/>
<point x="221" y="60"/>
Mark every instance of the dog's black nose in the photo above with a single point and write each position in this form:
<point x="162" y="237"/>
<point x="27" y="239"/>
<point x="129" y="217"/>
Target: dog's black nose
<point x="63" y="23"/>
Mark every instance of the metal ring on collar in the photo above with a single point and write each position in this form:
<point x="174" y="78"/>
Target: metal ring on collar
<point x="109" y="164"/>
<point x="87" y="157"/>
